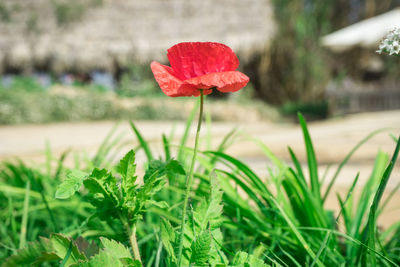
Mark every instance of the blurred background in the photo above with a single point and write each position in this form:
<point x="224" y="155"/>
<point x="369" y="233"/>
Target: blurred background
<point x="80" y="60"/>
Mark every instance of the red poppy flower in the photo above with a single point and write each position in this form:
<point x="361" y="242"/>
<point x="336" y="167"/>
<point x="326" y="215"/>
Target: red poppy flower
<point x="199" y="65"/>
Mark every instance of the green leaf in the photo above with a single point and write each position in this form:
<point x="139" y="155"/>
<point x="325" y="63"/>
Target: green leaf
<point x="210" y="211"/>
<point x="144" y="194"/>
<point x="104" y="194"/>
<point x="168" y="237"/>
<point x="370" y="230"/>
<point x="115" y="248"/>
<point x="243" y="259"/>
<point x="61" y="245"/>
<point x="72" y="184"/>
<point x="32" y="254"/>
<point x="201" y="249"/>
<point x="311" y="158"/>
<point x="142" y="142"/>
<point x="171" y="168"/>
<point x="154" y="166"/>
<point x="174" y="167"/>
<point x="102" y="259"/>
<point x="127" y="169"/>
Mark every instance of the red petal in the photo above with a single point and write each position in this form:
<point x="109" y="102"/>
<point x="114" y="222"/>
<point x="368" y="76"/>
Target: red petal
<point x="193" y="59"/>
<point x="229" y="81"/>
<point x="171" y="85"/>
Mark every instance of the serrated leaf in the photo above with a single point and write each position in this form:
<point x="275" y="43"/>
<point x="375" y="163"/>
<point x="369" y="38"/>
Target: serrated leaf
<point x="102" y="259"/>
<point x="171" y="168"/>
<point x="33" y="254"/>
<point x="61" y="245"/>
<point x="102" y="182"/>
<point x="144" y="194"/>
<point x="154" y="166"/>
<point x="174" y="167"/>
<point x="115" y="248"/>
<point x="201" y="249"/>
<point x="70" y="185"/>
<point x="217" y="256"/>
<point x="127" y="169"/>
<point x="243" y="259"/>
<point x="84" y="246"/>
<point x="168" y="237"/>
<point x="210" y="211"/>
<point x="104" y="201"/>
<point x="160" y="204"/>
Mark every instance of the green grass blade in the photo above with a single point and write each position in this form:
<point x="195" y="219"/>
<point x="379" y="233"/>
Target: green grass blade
<point x="370" y="230"/>
<point x="325" y="174"/>
<point x="348" y="195"/>
<point x="100" y="152"/>
<point x="297" y="234"/>
<point x="297" y="165"/>
<point x="271" y="156"/>
<point x="321" y="249"/>
<point x="243" y="168"/>
<point x="311" y="158"/>
<point x="387" y="200"/>
<point x="222" y="146"/>
<point x="69" y="251"/>
<point x="143" y="143"/>
<point x="347" y="158"/>
<point x="166" y="146"/>
<point x="24" y="223"/>
<point x="185" y="136"/>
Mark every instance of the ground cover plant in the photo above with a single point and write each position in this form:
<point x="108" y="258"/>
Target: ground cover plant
<point x="192" y="206"/>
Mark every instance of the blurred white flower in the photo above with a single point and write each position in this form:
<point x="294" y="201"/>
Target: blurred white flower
<point x="391" y="44"/>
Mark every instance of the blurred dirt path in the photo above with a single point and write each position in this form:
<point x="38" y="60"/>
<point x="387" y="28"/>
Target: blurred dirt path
<point x="332" y="139"/>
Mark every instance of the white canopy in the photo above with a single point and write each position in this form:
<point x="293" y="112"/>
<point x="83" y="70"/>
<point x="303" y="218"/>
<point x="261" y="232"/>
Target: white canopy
<point x="367" y="33"/>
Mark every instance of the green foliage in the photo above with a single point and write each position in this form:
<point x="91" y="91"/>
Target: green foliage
<point x="302" y="73"/>
<point x="137" y="81"/>
<point x="113" y="199"/>
<point x="202" y="234"/>
<point x="73" y="253"/>
<point x="235" y="218"/>
<point x="295" y="215"/>
<point x="37" y="106"/>
<point x="5" y="13"/>
<point x="32" y="254"/>
<point x="200" y="249"/>
<point x="67" y="12"/>
<point x="72" y="184"/>
<point x="311" y="110"/>
<point x="243" y="259"/>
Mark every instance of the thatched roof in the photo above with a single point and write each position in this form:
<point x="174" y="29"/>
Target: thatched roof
<point x="100" y="34"/>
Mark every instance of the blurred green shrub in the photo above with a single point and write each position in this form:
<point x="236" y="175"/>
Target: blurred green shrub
<point x="296" y="68"/>
<point x="311" y="110"/>
<point x="137" y="80"/>
<point x="67" y="12"/>
<point x="5" y="13"/>
<point x="24" y="83"/>
<point x="19" y="106"/>
<point x="73" y="10"/>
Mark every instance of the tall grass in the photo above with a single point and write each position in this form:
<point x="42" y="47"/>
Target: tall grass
<point x="280" y="219"/>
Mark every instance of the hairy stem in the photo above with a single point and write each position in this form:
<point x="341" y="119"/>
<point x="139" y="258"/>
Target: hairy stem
<point x="134" y="244"/>
<point x="131" y="232"/>
<point x="189" y="180"/>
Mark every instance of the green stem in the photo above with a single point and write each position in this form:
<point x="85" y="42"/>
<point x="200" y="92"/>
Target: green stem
<point x="131" y="232"/>
<point x="134" y="244"/>
<point x="189" y="180"/>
